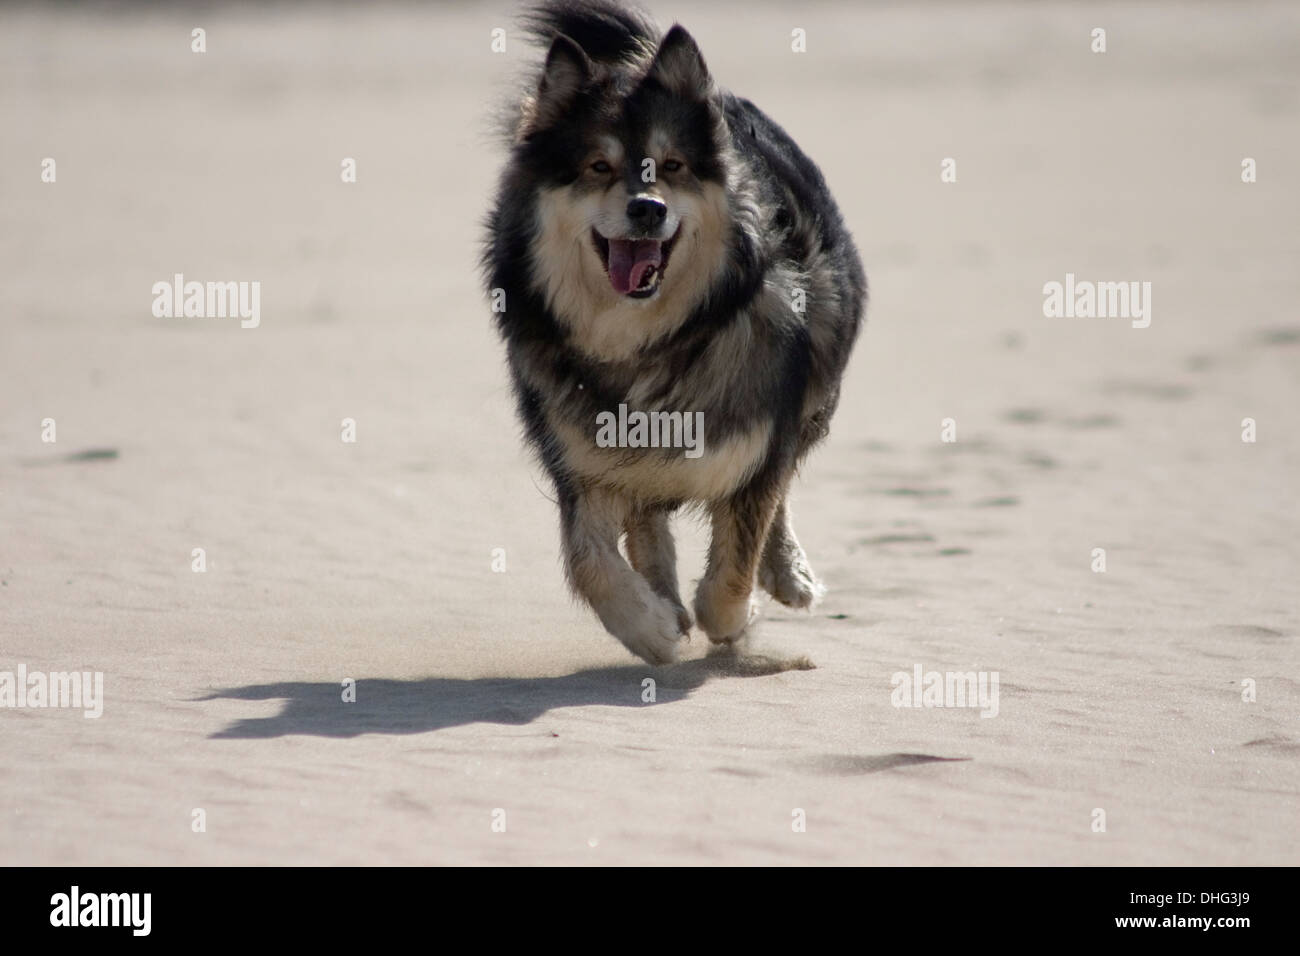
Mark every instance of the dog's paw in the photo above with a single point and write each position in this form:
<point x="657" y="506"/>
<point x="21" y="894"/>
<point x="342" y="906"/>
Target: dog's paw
<point x="723" y="619"/>
<point x="651" y="628"/>
<point x="684" y="620"/>
<point x="793" y="584"/>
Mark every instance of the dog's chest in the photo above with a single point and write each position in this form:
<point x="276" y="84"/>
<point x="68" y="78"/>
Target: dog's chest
<point x="615" y="452"/>
<point x="670" y="429"/>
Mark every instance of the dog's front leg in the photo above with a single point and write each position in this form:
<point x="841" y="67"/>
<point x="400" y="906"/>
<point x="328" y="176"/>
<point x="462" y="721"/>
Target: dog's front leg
<point x="724" y="601"/>
<point x="651" y="551"/>
<point x="647" y="624"/>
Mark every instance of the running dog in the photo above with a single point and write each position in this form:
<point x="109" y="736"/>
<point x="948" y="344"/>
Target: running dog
<point x="661" y="255"/>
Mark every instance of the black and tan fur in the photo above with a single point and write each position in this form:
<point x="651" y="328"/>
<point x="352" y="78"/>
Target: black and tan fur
<point x="751" y="222"/>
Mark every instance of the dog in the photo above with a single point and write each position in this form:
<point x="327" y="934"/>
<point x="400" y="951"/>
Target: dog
<point x="661" y="253"/>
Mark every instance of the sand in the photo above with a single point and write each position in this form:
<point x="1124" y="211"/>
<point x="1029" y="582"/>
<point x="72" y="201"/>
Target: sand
<point x="480" y="691"/>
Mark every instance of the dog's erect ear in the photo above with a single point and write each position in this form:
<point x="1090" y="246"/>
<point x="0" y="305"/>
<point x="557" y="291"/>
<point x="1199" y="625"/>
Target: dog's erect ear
<point x="679" y="65"/>
<point x="567" y="70"/>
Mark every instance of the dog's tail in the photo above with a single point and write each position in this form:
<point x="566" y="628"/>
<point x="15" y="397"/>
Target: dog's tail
<point x="606" y="30"/>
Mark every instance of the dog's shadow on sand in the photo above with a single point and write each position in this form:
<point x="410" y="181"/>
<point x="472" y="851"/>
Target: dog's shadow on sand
<point x="384" y="706"/>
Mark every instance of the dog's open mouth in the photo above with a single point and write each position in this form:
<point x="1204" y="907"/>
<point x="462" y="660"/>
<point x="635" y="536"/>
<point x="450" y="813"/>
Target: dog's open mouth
<point x="635" y="266"/>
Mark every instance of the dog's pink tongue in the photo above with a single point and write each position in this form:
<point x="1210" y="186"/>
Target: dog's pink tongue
<point x="629" y="260"/>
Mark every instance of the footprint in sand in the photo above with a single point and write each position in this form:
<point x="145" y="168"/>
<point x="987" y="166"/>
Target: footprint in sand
<point x="1253" y="632"/>
<point x="852" y="765"/>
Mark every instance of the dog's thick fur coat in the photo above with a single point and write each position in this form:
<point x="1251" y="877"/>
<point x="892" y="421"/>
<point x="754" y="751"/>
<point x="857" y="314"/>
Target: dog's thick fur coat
<point x="725" y="283"/>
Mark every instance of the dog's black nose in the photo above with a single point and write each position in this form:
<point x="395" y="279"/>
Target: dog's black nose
<point x="647" y="211"/>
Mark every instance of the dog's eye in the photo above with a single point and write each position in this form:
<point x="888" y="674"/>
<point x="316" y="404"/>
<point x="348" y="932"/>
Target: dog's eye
<point x="672" y="166"/>
<point x="600" y="166"/>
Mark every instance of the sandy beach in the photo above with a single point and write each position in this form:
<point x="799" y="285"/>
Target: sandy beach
<point x="484" y="695"/>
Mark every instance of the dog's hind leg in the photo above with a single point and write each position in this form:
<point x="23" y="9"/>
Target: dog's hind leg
<point x="784" y="571"/>
<point x="650" y="549"/>
<point x="724" y="601"/>
<point x="646" y="623"/>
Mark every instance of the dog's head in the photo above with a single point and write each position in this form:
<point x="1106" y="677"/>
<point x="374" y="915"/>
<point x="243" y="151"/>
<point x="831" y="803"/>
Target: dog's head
<point x="631" y="162"/>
